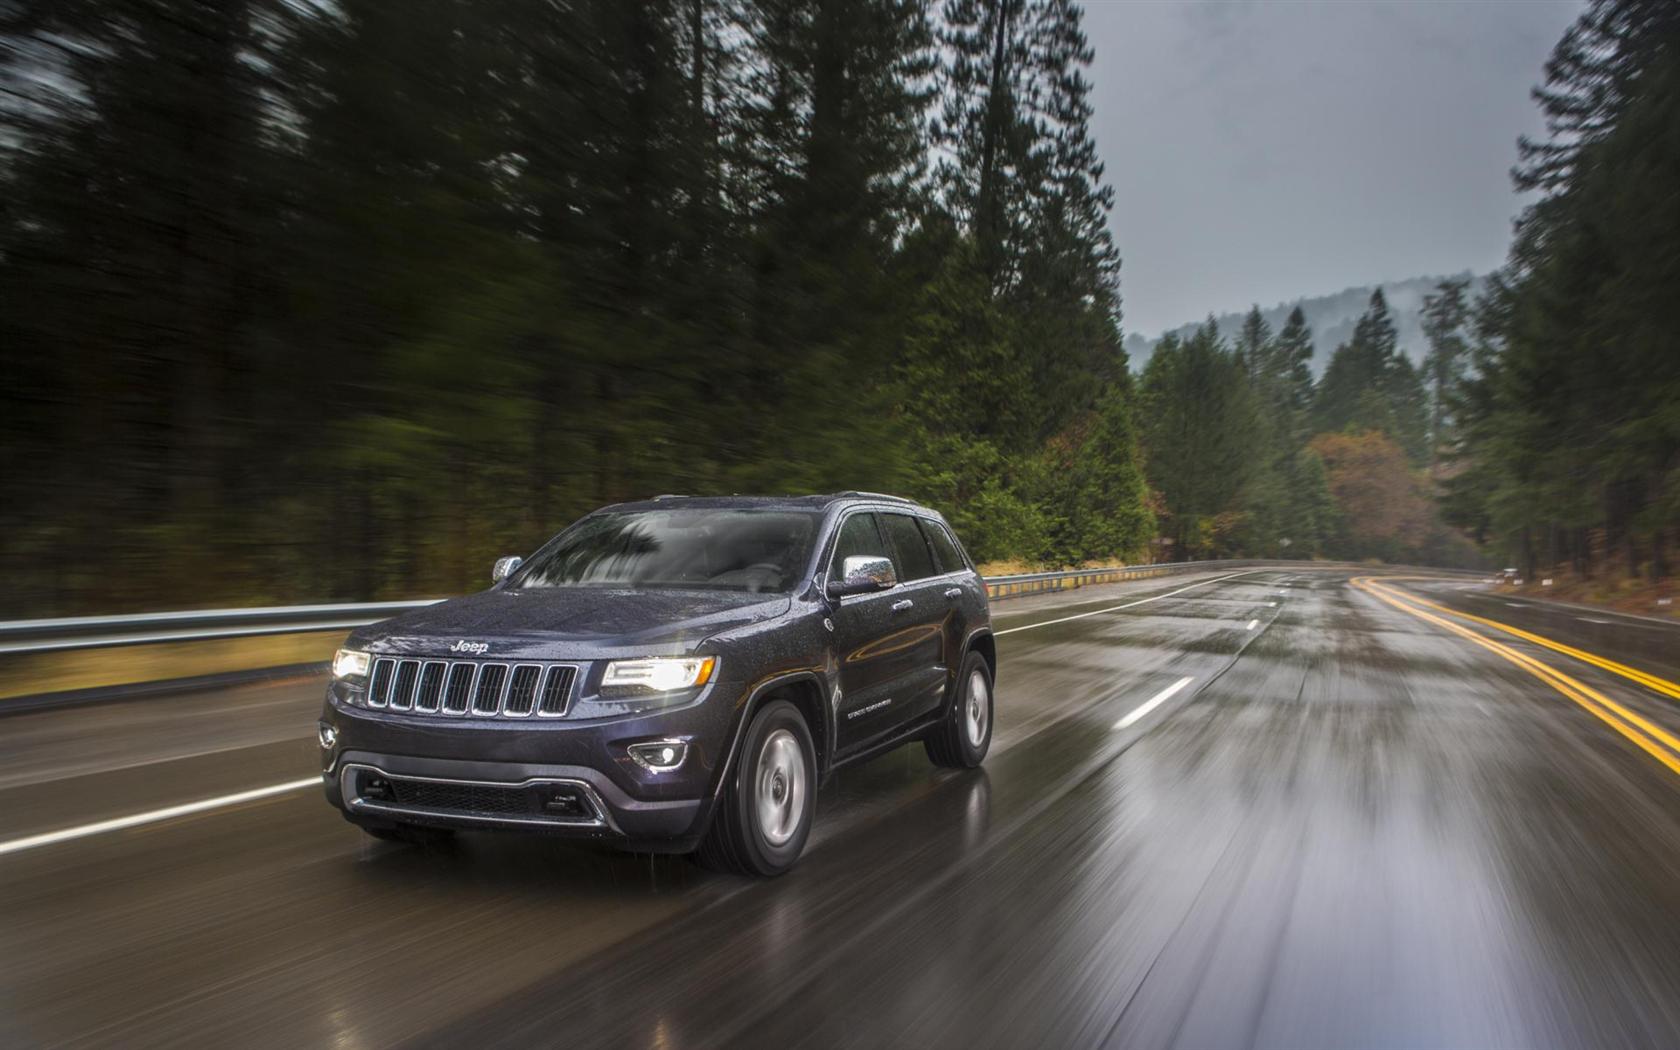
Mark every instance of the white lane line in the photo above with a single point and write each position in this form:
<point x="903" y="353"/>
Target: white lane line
<point x="1591" y="619"/>
<point x="154" y="816"/>
<point x="1117" y="608"/>
<point x="1252" y="624"/>
<point x="1153" y="702"/>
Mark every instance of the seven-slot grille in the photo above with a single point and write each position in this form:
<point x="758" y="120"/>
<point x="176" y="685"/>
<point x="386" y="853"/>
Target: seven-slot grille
<point x="483" y="688"/>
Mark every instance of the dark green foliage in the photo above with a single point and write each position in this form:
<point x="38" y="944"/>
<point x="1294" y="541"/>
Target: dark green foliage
<point x="1235" y="453"/>
<point x="1201" y="418"/>
<point x="310" y="300"/>
<point x="1291" y="363"/>
<point x="1370" y="385"/>
<point x="1571" y="418"/>
<point x="1016" y="384"/>
<point x="1445" y="316"/>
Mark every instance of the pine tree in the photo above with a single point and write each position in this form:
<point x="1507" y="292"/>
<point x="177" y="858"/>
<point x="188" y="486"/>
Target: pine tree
<point x="1294" y="353"/>
<point x="992" y="172"/>
<point x="1253" y="345"/>
<point x="1445" y="314"/>
<point x="1569" y="420"/>
<point x="1201" y="420"/>
<point x="1022" y="178"/>
<point x="1370" y="385"/>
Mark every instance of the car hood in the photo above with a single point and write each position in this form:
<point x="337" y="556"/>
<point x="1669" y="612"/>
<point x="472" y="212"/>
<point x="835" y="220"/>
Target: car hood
<point x="569" y="623"/>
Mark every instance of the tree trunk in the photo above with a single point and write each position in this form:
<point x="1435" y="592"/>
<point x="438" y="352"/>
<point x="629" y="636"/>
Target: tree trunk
<point x="991" y="130"/>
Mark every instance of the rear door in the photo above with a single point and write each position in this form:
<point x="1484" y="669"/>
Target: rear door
<point x="920" y="612"/>
<point x="964" y="592"/>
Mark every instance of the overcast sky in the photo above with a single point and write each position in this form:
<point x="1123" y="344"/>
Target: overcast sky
<point x="1264" y="151"/>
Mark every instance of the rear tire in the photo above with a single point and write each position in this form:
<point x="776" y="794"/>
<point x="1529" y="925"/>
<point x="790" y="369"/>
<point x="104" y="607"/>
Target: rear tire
<point x="963" y="738"/>
<point x="769" y="797"/>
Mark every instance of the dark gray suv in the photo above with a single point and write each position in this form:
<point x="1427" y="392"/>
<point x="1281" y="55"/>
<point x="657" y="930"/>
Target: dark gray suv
<point x="677" y="675"/>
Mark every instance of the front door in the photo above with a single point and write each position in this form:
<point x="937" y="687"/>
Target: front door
<point x="889" y="644"/>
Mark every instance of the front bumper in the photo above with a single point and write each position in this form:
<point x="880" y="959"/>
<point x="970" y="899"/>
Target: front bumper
<point x="493" y="773"/>
<point x="576" y="801"/>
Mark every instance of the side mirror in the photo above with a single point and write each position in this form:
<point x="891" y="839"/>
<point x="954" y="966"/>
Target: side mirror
<point x="863" y="574"/>
<point x="504" y="567"/>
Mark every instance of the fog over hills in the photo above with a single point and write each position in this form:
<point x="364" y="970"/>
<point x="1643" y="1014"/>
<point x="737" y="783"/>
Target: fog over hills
<point x="1331" y="317"/>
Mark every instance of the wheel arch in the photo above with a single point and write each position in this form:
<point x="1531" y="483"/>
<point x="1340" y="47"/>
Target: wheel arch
<point x="807" y="692"/>
<point x="983" y="642"/>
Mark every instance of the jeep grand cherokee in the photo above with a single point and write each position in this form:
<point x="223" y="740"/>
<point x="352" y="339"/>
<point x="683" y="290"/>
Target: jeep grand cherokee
<point x="678" y="675"/>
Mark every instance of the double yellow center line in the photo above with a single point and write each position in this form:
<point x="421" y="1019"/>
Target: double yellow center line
<point x="1651" y="738"/>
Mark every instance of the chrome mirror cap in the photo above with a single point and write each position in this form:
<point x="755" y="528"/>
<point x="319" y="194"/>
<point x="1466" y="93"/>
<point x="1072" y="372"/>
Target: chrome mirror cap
<point x="863" y="574"/>
<point x="504" y="567"/>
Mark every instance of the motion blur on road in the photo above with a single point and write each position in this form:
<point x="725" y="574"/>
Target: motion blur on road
<point x="1346" y="826"/>
<point x="1342" y="708"/>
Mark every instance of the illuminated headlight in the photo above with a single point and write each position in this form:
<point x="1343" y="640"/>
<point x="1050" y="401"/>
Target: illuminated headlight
<point x="657" y="676"/>
<point x="350" y="663"/>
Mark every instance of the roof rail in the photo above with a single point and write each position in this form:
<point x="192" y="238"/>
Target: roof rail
<point x="669" y="495"/>
<point x="875" y="495"/>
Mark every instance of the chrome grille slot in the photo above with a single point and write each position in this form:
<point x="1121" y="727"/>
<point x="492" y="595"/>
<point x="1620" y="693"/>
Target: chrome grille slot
<point x="459" y="689"/>
<point x="487" y="700"/>
<point x="402" y="693"/>
<point x="431" y="686"/>
<point x="522" y="690"/>
<point x="379" y="687"/>
<point x="557" y="690"/>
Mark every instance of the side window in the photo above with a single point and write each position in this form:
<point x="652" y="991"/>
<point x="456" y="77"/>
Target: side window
<point x="950" y="558"/>
<point x="911" y="555"/>
<point x="857" y="536"/>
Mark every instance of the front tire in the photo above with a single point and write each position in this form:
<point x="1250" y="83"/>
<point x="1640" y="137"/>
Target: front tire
<point x="963" y="738"/>
<point x="769" y="797"/>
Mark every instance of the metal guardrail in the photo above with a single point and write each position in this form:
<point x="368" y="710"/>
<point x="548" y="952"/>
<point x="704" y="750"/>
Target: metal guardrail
<point x="106" y="632"/>
<point x="1038" y="582"/>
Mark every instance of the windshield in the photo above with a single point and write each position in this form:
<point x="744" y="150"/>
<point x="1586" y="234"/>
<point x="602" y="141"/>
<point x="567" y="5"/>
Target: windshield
<point x="731" y="550"/>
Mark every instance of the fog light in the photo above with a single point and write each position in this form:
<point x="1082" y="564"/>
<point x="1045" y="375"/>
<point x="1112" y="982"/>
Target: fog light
<point x="327" y="735"/>
<point x="659" y="756"/>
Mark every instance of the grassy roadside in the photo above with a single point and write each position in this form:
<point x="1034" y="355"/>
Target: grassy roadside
<point x="1623" y="594"/>
<point x="37" y="673"/>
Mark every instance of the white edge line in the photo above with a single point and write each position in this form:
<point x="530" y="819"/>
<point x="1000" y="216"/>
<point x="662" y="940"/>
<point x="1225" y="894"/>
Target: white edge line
<point x="1117" y="608"/>
<point x="154" y="816"/>
<point x="1252" y="624"/>
<point x="1153" y="702"/>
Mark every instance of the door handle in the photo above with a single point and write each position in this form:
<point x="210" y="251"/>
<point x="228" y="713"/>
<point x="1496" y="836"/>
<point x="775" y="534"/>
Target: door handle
<point x="902" y="604"/>
<point x="953" y="592"/>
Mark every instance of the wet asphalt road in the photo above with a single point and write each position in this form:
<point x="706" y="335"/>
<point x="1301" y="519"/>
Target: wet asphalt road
<point x="1350" y="827"/>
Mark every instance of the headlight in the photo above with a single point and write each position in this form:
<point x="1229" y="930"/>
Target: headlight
<point x="350" y="663"/>
<point x="658" y="676"/>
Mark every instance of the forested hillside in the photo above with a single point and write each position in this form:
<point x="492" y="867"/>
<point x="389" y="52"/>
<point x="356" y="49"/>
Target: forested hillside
<point x="308" y="300"/>
<point x="1569" y="410"/>
<point x="311" y="300"/>
<point x="1332" y="318"/>
<point x="1249" y="456"/>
